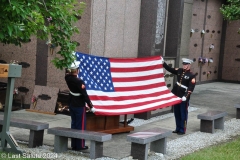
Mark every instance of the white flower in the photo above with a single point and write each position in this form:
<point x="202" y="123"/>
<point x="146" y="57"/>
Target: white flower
<point x="211" y="46"/>
<point x="203" y="32"/>
<point x="49" y="42"/>
<point x="192" y="30"/>
<point x="210" y="60"/>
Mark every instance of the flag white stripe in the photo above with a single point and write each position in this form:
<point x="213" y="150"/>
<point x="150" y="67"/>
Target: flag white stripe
<point x="138" y="83"/>
<point x="147" y="106"/>
<point x="126" y="93"/>
<point x="134" y="64"/>
<point x="127" y="102"/>
<point x="136" y="74"/>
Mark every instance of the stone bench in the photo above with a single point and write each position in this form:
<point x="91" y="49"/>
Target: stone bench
<point x="36" y="129"/>
<point x="237" y="106"/>
<point x="211" y="120"/>
<point x="96" y="139"/>
<point x="155" y="137"/>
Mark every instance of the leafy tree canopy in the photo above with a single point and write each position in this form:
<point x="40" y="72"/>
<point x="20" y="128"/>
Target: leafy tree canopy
<point x="50" y="20"/>
<point x="231" y="11"/>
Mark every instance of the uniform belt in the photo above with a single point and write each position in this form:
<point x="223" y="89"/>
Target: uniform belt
<point x="180" y="85"/>
<point x="75" y="94"/>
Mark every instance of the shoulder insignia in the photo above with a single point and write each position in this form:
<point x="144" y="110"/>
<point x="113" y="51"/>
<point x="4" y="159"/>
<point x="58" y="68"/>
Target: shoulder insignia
<point x="83" y="86"/>
<point x="193" y="80"/>
<point x="176" y="69"/>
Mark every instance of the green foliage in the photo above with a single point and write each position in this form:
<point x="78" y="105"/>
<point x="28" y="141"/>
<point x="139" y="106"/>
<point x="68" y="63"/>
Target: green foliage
<point x="231" y="11"/>
<point x="50" y="20"/>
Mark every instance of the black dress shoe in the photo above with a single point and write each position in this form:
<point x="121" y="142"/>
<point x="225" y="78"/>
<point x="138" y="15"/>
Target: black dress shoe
<point x="84" y="148"/>
<point x="180" y="133"/>
<point x="175" y="131"/>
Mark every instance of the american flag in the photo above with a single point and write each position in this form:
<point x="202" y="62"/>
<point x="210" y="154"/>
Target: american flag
<point x="119" y="86"/>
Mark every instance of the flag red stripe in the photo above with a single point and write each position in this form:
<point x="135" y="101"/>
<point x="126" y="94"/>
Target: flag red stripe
<point x="137" y="88"/>
<point x="140" y="78"/>
<point x="127" y="97"/>
<point x="137" y="69"/>
<point x="132" y="60"/>
<point x="165" y="105"/>
<point x="136" y="104"/>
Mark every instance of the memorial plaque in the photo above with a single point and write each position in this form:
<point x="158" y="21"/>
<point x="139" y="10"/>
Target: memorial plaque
<point x="44" y="99"/>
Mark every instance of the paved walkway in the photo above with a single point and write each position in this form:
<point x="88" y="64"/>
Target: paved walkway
<point x="211" y="96"/>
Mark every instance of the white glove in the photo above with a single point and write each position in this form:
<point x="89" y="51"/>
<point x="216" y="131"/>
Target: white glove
<point x="92" y="109"/>
<point x="162" y="59"/>
<point x="184" y="98"/>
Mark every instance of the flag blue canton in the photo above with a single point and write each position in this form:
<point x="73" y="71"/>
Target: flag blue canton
<point x="95" y="72"/>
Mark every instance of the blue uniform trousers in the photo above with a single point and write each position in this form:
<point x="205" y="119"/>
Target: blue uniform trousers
<point x="78" y="116"/>
<point x="181" y="116"/>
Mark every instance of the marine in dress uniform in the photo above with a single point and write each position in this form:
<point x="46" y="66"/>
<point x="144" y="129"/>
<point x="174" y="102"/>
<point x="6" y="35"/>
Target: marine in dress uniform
<point x="183" y="88"/>
<point x="78" y="98"/>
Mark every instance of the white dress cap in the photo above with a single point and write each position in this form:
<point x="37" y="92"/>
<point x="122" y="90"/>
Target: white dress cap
<point x="185" y="60"/>
<point x="74" y="65"/>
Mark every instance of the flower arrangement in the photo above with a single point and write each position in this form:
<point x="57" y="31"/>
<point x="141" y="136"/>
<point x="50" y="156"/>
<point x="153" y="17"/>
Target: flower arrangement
<point x="191" y="32"/>
<point x="34" y="101"/>
<point x="15" y="92"/>
<point x="202" y="33"/>
<point x="210" y="60"/>
<point x="205" y="60"/>
<point x="13" y="62"/>
<point x="202" y="60"/>
<point x="211" y="47"/>
<point x="62" y="108"/>
<point x="51" y="45"/>
<point x="209" y="73"/>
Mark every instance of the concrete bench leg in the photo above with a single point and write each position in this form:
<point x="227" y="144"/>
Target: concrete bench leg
<point x="159" y="146"/>
<point x="35" y="138"/>
<point x="238" y="113"/>
<point x="219" y="123"/>
<point x="139" y="151"/>
<point x="207" y="126"/>
<point x="60" y="144"/>
<point x="96" y="149"/>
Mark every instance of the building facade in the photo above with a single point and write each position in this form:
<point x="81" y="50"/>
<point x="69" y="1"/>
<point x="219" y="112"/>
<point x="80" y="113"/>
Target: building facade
<point x="139" y="28"/>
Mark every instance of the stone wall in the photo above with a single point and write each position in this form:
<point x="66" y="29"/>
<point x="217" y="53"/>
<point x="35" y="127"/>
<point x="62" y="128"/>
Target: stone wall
<point x="231" y="56"/>
<point x="115" y="28"/>
<point x="107" y="28"/>
<point x="27" y="54"/>
<point x="206" y="16"/>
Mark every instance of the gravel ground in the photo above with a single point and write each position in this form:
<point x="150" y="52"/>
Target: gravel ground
<point x="175" y="148"/>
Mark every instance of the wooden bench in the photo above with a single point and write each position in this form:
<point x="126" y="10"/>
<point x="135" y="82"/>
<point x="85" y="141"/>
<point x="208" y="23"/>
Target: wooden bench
<point x="211" y="120"/>
<point x="96" y="139"/>
<point x="36" y="129"/>
<point x="140" y="141"/>
<point x="237" y="106"/>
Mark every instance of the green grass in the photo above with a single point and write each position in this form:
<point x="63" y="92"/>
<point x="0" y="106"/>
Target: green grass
<point x="225" y="151"/>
